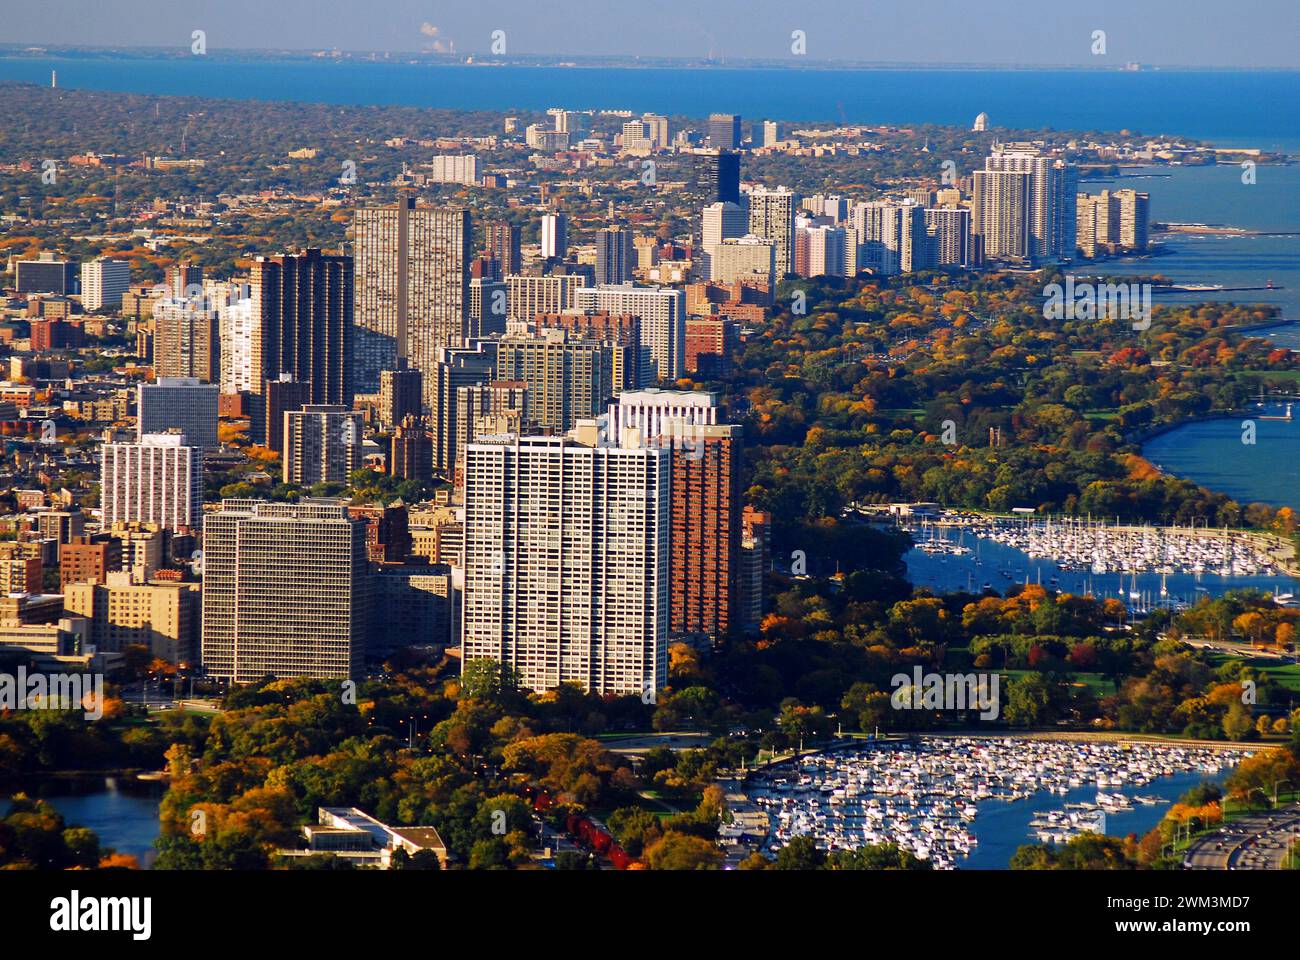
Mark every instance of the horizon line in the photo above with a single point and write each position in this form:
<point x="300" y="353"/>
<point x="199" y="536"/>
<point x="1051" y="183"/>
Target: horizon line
<point x="623" y="61"/>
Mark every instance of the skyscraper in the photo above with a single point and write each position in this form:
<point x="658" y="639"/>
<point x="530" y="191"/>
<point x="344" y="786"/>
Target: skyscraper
<point x="456" y="368"/>
<point x="662" y="311"/>
<point x="724" y="131"/>
<point x="615" y="260"/>
<point x="949" y="230"/>
<point x="280" y="395"/>
<point x="706" y="530"/>
<point x="412" y="288"/>
<point x="103" y="281"/>
<point x="771" y="216"/>
<point x="717" y="176"/>
<point x="566" y="562"/>
<point x="157" y="480"/>
<point x="527" y="295"/>
<point x="285" y="591"/>
<point x="186" y="340"/>
<point x="567" y="379"/>
<point x="503" y="247"/>
<point x="498" y="406"/>
<point x="1112" y="222"/>
<point x="719" y="221"/>
<point x="303" y="305"/>
<point x="401" y="394"/>
<point x="1000" y="214"/>
<point x="184" y="404"/>
<point x="555" y="236"/>
<point x="322" y="444"/>
<point x="1031" y="219"/>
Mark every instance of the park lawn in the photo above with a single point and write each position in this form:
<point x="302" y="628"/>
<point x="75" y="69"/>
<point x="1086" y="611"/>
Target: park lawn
<point x="1273" y="374"/>
<point x="1096" y="682"/>
<point x="1285" y="675"/>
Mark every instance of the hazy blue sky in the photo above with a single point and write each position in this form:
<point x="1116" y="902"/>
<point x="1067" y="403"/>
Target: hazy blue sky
<point x="1050" y="32"/>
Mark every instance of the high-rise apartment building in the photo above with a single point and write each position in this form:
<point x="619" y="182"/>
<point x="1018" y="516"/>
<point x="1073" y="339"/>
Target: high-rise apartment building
<point x="503" y="247"/>
<point x="489" y="308"/>
<point x="452" y="168"/>
<point x="184" y="404"/>
<point x="322" y="444"/>
<point x="632" y="364"/>
<point x="891" y="237"/>
<point x="527" y="296"/>
<point x="1000" y="214"/>
<point x="1112" y="222"/>
<point x="771" y="216"/>
<point x="949" y="232"/>
<point x="240" y="352"/>
<point x="705" y="500"/>
<point x="706" y="534"/>
<point x="303" y="306"/>
<point x="615" y="259"/>
<point x="567" y="379"/>
<point x="186" y="339"/>
<point x="662" y="311"/>
<point x="495" y="407"/>
<point x="555" y="236"/>
<point x="657" y="130"/>
<point x="456" y="368"/>
<point x="742" y="258"/>
<point x="103" y="281"/>
<point x="412" y="286"/>
<point x="285" y="591"/>
<point x="401" y="394"/>
<point x="1024" y="205"/>
<point x="157" y="480"/>
<point x="279" y="396"/>
<point x="566" y="562"/>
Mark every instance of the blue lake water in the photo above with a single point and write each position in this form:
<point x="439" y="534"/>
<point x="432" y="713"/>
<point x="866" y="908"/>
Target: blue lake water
<point x="1002" y="827"/>
<point x="1285" y="335"/>
<point x="123" y="812"/>
<point x="1230" y="107"/>
<point x="1216" y="195"/>
<point x="1211" y="452"/>
<point x="991" y="562"/>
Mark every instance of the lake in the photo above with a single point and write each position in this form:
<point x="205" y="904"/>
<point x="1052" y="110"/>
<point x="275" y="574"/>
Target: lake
<point x="122" y="811"/>
<point x="1260" y="109"/>
<point x="1211" y="452"/>
<point x="1002" y="827"/>
<point x="1216" y="195"/>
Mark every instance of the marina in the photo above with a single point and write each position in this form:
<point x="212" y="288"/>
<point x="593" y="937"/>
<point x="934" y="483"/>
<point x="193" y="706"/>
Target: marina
<point x="969" y="802"/>
<point x="1144" y="567"/>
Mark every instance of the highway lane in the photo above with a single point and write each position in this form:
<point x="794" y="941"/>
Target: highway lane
<point x="1257" y="841"/>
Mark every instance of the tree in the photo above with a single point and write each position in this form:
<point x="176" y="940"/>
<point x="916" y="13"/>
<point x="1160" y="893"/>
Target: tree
<point x="800" y="853"/>
<point x="1237" y="723"/>
<point x="679" y="851"/>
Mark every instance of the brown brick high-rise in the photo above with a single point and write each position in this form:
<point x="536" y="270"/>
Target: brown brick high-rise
<point x="705" y="536"/>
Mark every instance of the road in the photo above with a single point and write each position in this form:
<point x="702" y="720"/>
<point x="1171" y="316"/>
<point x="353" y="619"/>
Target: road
<point x="1257" y="841"/>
